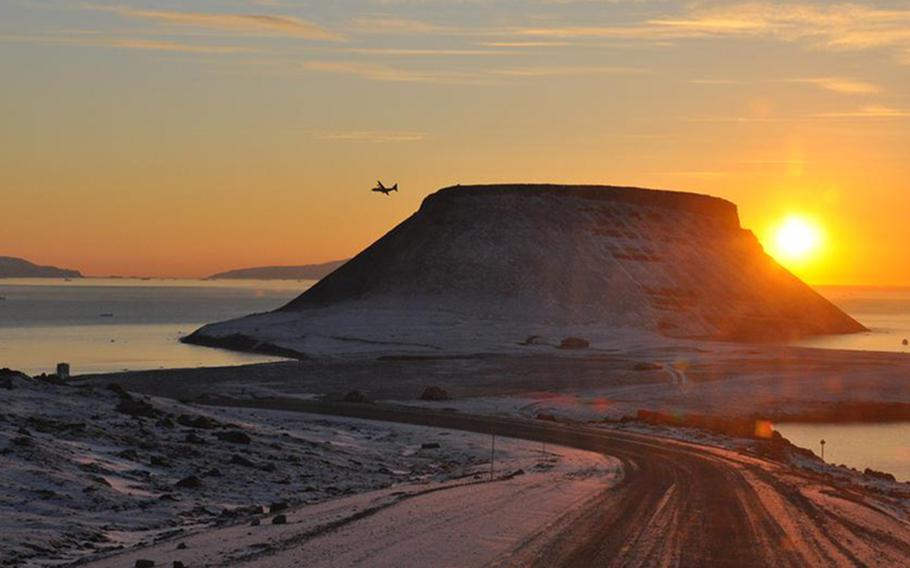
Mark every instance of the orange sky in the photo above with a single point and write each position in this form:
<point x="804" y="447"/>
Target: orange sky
<point x="186" y="138"/>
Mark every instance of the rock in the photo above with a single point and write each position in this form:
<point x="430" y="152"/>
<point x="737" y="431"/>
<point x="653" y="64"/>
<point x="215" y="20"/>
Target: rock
<point x="181" y="546"/>
<point x="192" y="438"/>
<point x="430" y="446"/>
<point x="279" y="520"/>
<point x="144" y="563"/>
<point x="128" y="454"/>
<point x="177" y="564"/>
<point x="356" y="396"/>
<point x="240" y="460"/>
<point x="189" y="482"/>
<point x="434" y="393"/>
<point x="233" y="437"/>
<point x="201" y="422"/>
<point x="137" y="408"/>
<point x="905" y="342"/>
<point x="7" y="373"/>
<point x="878" y="475"/>
<point x="119" y="391"/>
<point x="278" y="506"/>
<point x="50" y="379"/>
<point x="534" y="340"/>
<point x="159" y="461"/>
<point x="574" y="343"/>
<point x="255" y="523"/>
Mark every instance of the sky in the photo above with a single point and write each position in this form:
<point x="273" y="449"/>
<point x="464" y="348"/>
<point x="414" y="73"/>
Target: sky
<point x="182" y="138"/>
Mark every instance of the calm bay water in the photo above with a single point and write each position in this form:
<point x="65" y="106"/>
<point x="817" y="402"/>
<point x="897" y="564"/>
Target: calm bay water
<point x="101" y="324"/>
<point x="885" y="311"/>
<point x="883" y="447"/>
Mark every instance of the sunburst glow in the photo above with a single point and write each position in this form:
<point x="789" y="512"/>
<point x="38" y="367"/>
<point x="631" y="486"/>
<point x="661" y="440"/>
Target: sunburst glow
<point x="797" y="239"/>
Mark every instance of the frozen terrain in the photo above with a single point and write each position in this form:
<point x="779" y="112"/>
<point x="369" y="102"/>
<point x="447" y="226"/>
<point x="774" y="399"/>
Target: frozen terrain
<point x="90" y="470"/>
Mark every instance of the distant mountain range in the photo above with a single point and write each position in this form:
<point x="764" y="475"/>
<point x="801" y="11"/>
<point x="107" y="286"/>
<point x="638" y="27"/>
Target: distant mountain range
<point x="11" y="267"/>
<point x="304" y="272"/>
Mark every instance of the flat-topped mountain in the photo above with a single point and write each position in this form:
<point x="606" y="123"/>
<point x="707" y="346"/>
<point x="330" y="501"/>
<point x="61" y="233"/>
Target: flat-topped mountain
<point x="482" y="267"/>
<point x="12" y="267"/>
<point x="302" y="272"/>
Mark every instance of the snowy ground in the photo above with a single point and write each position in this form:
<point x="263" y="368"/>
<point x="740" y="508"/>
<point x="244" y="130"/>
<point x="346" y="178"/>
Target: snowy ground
<point x="457" y="523"/>
<point x="88" y="470"/>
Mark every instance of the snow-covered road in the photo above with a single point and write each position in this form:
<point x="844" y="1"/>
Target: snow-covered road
<point x="468" y="522"/>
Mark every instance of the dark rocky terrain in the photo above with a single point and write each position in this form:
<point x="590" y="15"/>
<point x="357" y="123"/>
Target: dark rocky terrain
<point x="303" y="272"/>
<point x="12" y="267"/>
<point x="502" y="263"/>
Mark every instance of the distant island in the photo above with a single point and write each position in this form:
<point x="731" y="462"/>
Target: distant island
<point x="303" y="272"/>
<point x="12" y="267"/>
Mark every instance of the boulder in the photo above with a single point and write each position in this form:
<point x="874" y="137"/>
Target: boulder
<point x="201" y="422"/>
<point x="240" y="460"/>
<point x="574" y="343"/>
<point x="279" y="520"/>
<point x="880" y="475"/>
<point x="137" y="408"/>
<point x="356" y="396"/>
<point x="189" y="482"/>
<point x="434" y="393"/>
<point x="233" y="437"/>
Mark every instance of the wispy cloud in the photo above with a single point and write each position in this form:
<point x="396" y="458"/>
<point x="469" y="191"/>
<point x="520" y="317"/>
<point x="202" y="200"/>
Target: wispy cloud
<point x="238" y="23"/>
<point x="870" y="111"/>
<point x="381" y="72"/>
<point x="524" y="44"/>
<point x="397" y="26"/>
<point x="431" y="52"/>
<point x="841" y="85"/>
<point x="568" y="71"/>
<point x="834" y="26"/>
<point x="371" y="136"/>
<point x="132" y="43"/>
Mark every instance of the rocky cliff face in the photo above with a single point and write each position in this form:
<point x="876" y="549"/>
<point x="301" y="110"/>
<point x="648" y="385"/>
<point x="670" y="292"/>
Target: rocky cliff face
<point x="542" y="257"/>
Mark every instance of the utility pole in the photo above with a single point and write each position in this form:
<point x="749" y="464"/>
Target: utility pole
<point x="822" y="443"/>
<point x="492" y="452"/>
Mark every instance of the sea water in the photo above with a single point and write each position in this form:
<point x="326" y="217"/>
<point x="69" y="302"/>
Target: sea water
<point x="883" y="447"/>
<point x="885" y="311"/>
<point x="99" y="325"/>
<point x="113" y="324"/>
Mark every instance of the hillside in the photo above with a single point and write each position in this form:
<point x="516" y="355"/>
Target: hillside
<point x="11" y="267"/>
<point x="481" y="268"/>
<point x="302" y="272"/>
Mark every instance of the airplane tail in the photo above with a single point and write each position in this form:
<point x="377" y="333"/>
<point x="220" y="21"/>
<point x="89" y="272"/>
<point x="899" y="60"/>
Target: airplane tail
<point x="394" y="187"/>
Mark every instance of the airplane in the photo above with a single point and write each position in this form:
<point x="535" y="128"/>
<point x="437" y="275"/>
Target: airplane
<point x="383" y="189"/>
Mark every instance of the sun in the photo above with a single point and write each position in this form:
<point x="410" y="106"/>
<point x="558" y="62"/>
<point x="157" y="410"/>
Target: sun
<point x="797" y="239"/>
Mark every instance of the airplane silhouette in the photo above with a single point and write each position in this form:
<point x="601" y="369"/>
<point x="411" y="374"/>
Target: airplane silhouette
<point x="383" y="189"/>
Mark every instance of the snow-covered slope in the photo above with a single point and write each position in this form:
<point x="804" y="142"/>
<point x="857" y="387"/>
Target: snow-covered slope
<point x="480" y="268"/>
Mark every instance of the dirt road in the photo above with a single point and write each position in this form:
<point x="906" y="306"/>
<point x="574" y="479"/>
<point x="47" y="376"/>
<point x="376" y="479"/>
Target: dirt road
<point x="678" y="504"/>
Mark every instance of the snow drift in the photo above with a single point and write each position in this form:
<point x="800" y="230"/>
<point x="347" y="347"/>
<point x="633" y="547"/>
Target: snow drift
<point x="479" y="268"/>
